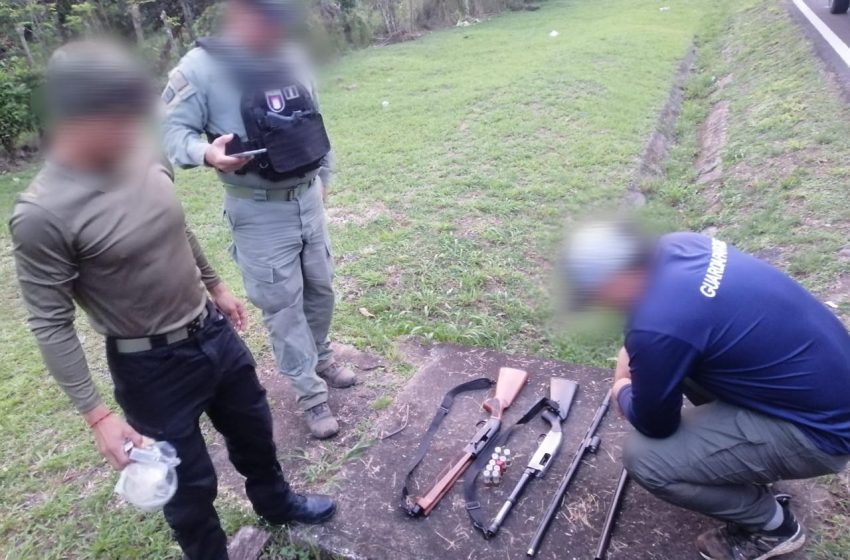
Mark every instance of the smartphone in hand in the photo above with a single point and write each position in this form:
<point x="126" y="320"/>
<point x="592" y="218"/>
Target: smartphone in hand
<point x="249" y="153"/>
<point x="235" y="148"/>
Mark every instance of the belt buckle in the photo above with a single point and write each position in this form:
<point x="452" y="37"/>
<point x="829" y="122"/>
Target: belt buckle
<point x="194" y="326"/>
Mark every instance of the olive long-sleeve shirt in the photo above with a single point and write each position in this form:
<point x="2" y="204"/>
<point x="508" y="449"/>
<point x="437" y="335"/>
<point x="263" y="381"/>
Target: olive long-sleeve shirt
<point x="116" y="245"/>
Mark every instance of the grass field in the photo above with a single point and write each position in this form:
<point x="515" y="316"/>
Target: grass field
<point x="449" y="203"/>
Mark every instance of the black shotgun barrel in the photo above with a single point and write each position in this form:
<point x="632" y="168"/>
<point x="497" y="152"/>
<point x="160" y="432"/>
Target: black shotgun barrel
<point x="590" y="443"/>
<point x="611" y="518"/>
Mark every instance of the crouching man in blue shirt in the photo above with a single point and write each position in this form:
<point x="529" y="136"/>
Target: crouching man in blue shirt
<point x="767" y="363"/>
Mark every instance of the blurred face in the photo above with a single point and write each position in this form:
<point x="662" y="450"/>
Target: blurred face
<point x="251" y="27"/>
<point x="100" y="142"/>
<point x="621" y="291"/>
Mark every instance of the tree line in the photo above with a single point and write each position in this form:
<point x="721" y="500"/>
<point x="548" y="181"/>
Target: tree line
<point x="165" y="29"/>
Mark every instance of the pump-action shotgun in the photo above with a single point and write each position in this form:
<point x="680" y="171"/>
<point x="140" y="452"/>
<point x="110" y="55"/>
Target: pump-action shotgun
<point x="589" y="444"/>
<point x="561" y="391"/>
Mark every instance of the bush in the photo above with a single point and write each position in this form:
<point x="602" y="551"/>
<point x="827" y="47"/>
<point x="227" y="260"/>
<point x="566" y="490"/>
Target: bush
<point x="208" y="22"/>
<point x="332" y="31"/>
<point x="17" y="115"/>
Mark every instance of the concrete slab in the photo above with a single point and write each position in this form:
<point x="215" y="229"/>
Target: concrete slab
<point x="370" y="523"/>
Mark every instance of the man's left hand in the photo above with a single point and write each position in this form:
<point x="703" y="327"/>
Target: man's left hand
<point x="622" y="370"/>
<point x="230" y="305"/>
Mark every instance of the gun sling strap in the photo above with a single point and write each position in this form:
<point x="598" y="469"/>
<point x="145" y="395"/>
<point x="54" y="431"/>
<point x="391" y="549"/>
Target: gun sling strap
<point x="442" y="411"/>
<point x="470" y="496"/>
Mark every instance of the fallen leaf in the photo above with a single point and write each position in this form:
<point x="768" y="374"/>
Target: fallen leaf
<point x="366" y="313"/>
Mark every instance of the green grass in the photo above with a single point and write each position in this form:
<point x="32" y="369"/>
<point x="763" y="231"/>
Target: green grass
<point x="448" y="207"/>
<point x="452" y="200"/>
<point x="784" y="191"/>
<point x="322" y="465"/>
<point x="834" y="541"/>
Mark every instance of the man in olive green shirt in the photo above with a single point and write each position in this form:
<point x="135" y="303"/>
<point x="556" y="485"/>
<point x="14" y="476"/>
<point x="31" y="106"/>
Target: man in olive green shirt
<point x="101" y="226"/>
<point x="65" y="224"/>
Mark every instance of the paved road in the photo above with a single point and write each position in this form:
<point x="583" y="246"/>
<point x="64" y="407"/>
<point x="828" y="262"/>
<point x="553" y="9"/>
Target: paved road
<point x="830" y="34"/>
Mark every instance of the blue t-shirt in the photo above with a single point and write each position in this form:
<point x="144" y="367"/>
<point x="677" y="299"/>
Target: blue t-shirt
<point x="744" y="331"/>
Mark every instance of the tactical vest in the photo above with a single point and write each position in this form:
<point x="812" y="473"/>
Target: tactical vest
<point x="279" y="114"/>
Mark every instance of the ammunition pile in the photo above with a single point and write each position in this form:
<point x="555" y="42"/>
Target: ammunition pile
<point x="499" y="462"/>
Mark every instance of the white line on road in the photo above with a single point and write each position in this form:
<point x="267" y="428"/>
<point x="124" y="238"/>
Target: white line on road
<point x="839" y="46"/>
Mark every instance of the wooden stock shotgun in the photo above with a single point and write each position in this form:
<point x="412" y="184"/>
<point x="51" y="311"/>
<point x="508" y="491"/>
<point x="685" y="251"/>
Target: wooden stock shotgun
<point x="508" y="386"/>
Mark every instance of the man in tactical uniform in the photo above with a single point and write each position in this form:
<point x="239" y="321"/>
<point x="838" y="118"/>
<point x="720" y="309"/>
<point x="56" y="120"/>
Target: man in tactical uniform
<point x="101" y="226"/>
<point x="767" y="363"/>
<point x="248" y="91"/>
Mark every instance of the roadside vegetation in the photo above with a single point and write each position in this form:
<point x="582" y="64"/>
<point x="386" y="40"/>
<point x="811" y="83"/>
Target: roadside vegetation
<point x="462" y="156"/>
<point x="163" y="30"/>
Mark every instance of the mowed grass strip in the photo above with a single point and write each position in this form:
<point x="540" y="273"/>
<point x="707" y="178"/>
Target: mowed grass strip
<point x="445" y="214"/>
<point x="783" y="189"/>
<point x="451" y="199"/>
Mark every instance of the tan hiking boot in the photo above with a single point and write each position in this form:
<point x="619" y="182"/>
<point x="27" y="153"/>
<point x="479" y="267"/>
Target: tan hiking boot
<point x="321" y="421"/>
<point x="337" y="376"/>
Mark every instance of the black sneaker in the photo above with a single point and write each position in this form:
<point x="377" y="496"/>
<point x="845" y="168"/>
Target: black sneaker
<point x="735" y="543"/>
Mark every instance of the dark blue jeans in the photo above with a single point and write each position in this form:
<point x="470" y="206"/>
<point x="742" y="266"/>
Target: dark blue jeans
<point x="163" y="393"/>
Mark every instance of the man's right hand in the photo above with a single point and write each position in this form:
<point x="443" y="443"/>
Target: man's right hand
<point x="111" y="433"/>
<point x="622" y="376"/>
<point x="216" y="157"/>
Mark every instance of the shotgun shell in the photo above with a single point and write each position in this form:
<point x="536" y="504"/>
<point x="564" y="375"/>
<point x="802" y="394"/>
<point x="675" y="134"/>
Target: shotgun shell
<point x="497" y="451"/>
<point x="506" y="453"/>
<point x="497" y="477"/>
<point x="494" y="457"/>
<point x="488" y="476"/>
<point x="501" y="466"/>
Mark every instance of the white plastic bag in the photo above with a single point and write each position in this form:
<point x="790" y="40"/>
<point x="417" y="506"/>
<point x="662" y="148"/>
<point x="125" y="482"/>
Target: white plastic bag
<point x="150" y="480"/>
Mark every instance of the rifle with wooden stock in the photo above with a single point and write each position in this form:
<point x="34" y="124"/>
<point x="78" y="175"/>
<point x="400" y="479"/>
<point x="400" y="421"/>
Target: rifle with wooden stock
<point x="508" y="386"/>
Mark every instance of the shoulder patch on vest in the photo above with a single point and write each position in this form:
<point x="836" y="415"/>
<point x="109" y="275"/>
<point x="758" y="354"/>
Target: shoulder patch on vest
<point x="168" y="94"/>
<point x="178" y="80"/>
